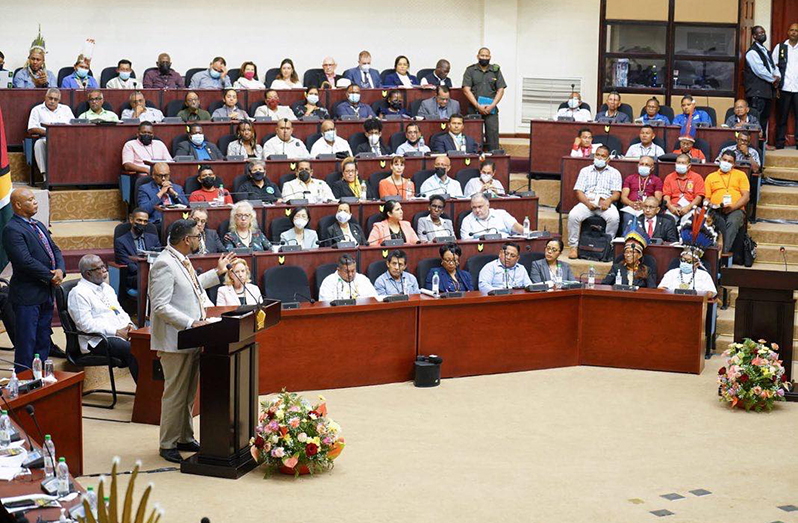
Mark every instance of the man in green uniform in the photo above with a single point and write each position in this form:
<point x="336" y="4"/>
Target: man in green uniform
<point x="484" y="85"/>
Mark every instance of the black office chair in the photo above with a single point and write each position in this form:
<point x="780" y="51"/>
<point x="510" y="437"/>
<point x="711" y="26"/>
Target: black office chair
<point x="612" y="142"/>
<point x="76" y="357"/>
<point x="126" y="105"/>
<point x="223" y="229"/>
<point x="190" y="74"/>
<point x="376" y="269"/>
<point x="83" y="106"/>
<point x="173" y="107"/>
<point x="583" y="105"/>
<point x="379" y="107"/>
<point x="332" y="177"/>
<point x="727" y="143"/>
<point x="730" y="111"/>
<point x="384" y="74"/>
<point x="109" y="73"/>
<point x="701" y="145"/>
<point x="177" y="140"/>
<point x="192" y="184"/>
<point x="423" y="73"/>
<point x="271" y="75"/>
<point x="234" y="74"/>
<point x="464" y="175"/>
<point x="624" y="108"/>
<point x="375" y="179"/>
<point x="527" y="258"/>
<point x="322" y="271"/>
<point x="374" y="218"/>
<point x="66" y="71"/>
<point x="355" y="139"/>
<point x="397" y="139"/>
<point x="713" y="115"/>
<point x="420" y="177"/>
<point x="225" y="141"/>
<point x="286" y="283"/>
<point x="218" y="103"/>
<point x="460" y="217"/>
<point x="310" y="76"/>
<point x="475" y="263"/>
<point x="664" y="110"/>
<point x="237" y="182"/>
<point x="310" y="140"/>
<point x="286" y="177"/>
<point x="323" y="224"/>
<point x="140" y="180"/>
<point x="415" y="105"/>
<point x="657" y="140"/>
<point x="279" y="226"/>
<point x="423" y="268"/>
<point x="268" y="137"/>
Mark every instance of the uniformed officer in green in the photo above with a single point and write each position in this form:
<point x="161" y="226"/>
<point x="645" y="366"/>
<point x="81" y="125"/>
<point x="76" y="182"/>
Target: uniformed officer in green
<point x="484" y="85"/>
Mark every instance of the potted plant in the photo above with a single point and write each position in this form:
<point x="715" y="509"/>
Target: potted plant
<point x="753" y="377"/>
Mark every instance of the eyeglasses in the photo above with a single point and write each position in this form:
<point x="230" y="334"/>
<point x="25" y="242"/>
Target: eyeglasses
<point x="241" y="216"/>
<point x="552" y="249"/>
<point x="451" y="260"/>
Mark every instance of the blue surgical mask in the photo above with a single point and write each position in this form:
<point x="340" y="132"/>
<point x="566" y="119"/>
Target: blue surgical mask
<point x="686" y="267"/>
<point x="198" y="139"/>
<point x="643" y="170"/>
<point x="354" y="97"/>
<point x="124" y="76"/>
<point x="215" y="74"/>
<point x="82" y="72"/>
<point x="329" y="135"/>
<point x="600" y="163"/>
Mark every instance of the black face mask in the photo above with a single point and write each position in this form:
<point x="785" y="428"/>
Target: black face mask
<point x="208" y="182"/>
<point x="761" y="38"/>
<point x="483" y="62"/>
<point x="413" y="142"/>
<point x="395" y="104"/>
<point x="257" y="175"/>
<point x="164" y="67"/>
<point x="145" y="139"/>
<point x="138" y="228"/>
<point x="440" y="172"/>
<point x="304" y="176"/>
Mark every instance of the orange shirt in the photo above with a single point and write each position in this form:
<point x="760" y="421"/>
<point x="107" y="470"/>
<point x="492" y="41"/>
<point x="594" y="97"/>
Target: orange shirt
<point x="717" y="184"/>
<point x="390" y="188"/>
<point x="690" y="186"/>
<point x="695" y="152"/>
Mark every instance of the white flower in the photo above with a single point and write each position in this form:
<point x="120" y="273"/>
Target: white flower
<point x="280" y="414"/>
<point x="302" y="438"/>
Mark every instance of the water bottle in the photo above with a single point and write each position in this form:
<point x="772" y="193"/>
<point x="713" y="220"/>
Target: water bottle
<point x="91" y="498"/>
<point x="220" y="195"/>
<point x="5" y="429"/>
<point x="618" y="279"/>
<point x="404" y="285"/>
<point x="558" y="277"/>
<point x="13" y="386"/>
<point x="37" y="367"/>
<point x="526" y="226"/>
<point x="63" y="518"/>
<point x="62" y="474"/>
<point x="436" y="283"/>
<point x="408" y="192"/>
<point x="363" y="190"/>
<point x="48" y="453"/>
<point x="591" y="278"/>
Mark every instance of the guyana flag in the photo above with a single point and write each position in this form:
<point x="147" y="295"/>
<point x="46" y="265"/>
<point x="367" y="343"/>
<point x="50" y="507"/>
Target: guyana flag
<point x="5" y="188"/>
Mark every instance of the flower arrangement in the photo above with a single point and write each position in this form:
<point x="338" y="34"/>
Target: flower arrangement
<point x="753" y="377"/>
<point x="295" y="437"/>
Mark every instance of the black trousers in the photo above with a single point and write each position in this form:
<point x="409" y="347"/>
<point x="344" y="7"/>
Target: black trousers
<point x="762" y="105"/>
<point x="119" y="349"/>
<point x="788" y="102"/>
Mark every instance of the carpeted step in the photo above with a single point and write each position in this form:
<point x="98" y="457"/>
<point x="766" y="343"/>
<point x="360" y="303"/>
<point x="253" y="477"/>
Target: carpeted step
<point x="774" y="195"/>
<point x="93" y="204"/>
<point x="770" y="253"/>
<point x="20" y="170"/>
<point x="774" y="233"/>
<point x="783" y="158"/>
<point x="777" y="212"/>
<point x="725" y="324"/>
<point x="548" y="220"/>
<point x="782" y="173"/>
<point x="515" y="147"/>
<point x="91" y="235"/>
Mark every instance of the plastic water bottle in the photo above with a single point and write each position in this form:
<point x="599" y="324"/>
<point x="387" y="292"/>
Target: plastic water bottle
<point x="91" y="498"/>
<point x="220" y="195"/>
<point x="63" y="518"/>
<point x="48" y="453"/>
<point x="37" y="367"/>
<point x="363" y="190"/>
<point x="62" y="474"/>
<point x="404" y="285"/>
<point x="558" y="277"/>
<point x="618" y="279"/>
<point x="13" y="386"/>
<point x="436" y="284"/>
<point x="526" y="226"/>
<point x="591" y="278"/>
<point x="408" y="193"/>
<point x="5" y="429"/>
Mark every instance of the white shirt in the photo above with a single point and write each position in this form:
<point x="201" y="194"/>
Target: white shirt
<point x="95" y="309"/>
<point x="638" y="150"/>
<point x="282" y="84"/>
<point x="226" y="295"/>
<point x="674" y="278"/>
<point x="474" y="186"/>
<point x="791" y="73"/>
<point x="283" y="111"/>
<point x="405" y="79"/>
<point x="118" y="83"/>
<point x="334" y="288"/>
<point x="151" y="114"/>
<point x="243" y="83"/>
<point x="498" y="221"/>
<point x="316" y="191"/>
<point x="579" y="115"/>
<point x="41" y="115"/>
<point x="434" y="185"/>
<point x="293" y="148"/>
<point x="322" y="147"/>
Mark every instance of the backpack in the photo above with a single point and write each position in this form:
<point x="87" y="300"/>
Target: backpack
<point x="594" y="244"/>
<point x="744" y="250"/>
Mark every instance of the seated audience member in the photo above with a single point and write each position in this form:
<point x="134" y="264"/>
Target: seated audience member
<point x="363" y="75"/>
<point x="94" y="308"/>
<point x="326" y="78"/>
<point x="485" y="183"/>
<point x="690" y="117"/>
<point x="214" y="77"/>
<point x="396" y="280"/>
<point x="728" y="191"/>
<point x="306" y="187"/>
<point x="743" y="152"/>
<point x="687" y="146"/>
<point x="612" y="114"/>
<point x="2" y="61"/>
<point x="393" y="227"/>
<point x="373" y="131"/>
<point x="243" y="232"/>
<point x="352" y="106"/>
<point x="646" y="145"/>
<point x="81" y="77"/>
<point x="272" y="108"/>
<point x="283" y="143"/>
<point x="394" y="105"/>
<point x="575" y="109"/>
<point x="35" y="74"/>
<point x="344" y="229"/>
<point x="330" y="142"/>
<point x="656" y="225"/>
<point x="49" y="112"/>
<point x="484" y="220"/>
<point x="133" y="242"/>
<point x="309" y="106"/>
<point x="400" y="77"/>
<point x="300" y="234"/>
<point x="691" y="274"/>
<point x="257" y="186"/>
<point x="741" y="115"/>
<point x="506" y="272"/>
<point x="414" y="142"/>
<point x="440" y="76"/>
<point x="631" y="265"/>
<point x="287" y="77"/>
<point x="452" y="278"/>
<point x="248" y="78"/>
<point x="439" y="107"/>
<point x="346" y="283"/>
<point x="440" y="182"/>
<point x="163" y="76"/>
<point x="350" y="184"/>
<point x="192" y="111"/>
<point x="434" y="225"/>
<point x="138" y="109"/>
<point x="197" y="146"/>
<point x="123" y="79"/>
<point x="637" y="187"/>
<point x="143" y="148"/>
<point x="396" y="184"/>
<point x="209" y="239"/>
<point x="246" y="142"/>
<point x="210" y="190"/>
<point x="455" y="139"/>
<point x="652" y="113"/>
<point x="683" y="189"/>
<point x="237" y="289"/>
<point x="230" y="107"/>
<point x="153" y="196"/>
<point x="545" y="269"/>
<point x="583" y="144"/>
<point x="96" y="110"/>
<point x="597" y="188"/>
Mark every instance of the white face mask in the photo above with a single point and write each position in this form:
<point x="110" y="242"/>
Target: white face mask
<point x="682" y="168"/>
<point x="573" y="103"/>
<point x="329" y="135"/>
<point x="300" y="223"/>
<point x="365" y="67"/>
<point x="643" y="170"/>
<point x="485" y="177"/>
<point x="374" y="139"/>
<point x="342" y="216"/>
<point x="725" y="166"/>
<point x="313" y="99"/>
<point x="600" y="163"/>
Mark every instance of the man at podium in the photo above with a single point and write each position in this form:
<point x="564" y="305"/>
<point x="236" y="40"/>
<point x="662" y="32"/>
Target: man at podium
<point x="178" y="301"/>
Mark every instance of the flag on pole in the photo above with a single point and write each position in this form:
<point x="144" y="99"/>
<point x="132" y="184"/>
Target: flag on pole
<point x="5" y="188"/>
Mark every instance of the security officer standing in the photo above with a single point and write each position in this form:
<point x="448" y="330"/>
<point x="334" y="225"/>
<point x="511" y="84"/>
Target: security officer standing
<point x="484" y="85"/>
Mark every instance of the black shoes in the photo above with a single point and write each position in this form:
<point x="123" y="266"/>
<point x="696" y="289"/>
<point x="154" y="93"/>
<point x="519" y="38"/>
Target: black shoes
<point x="171" y="455"/>
<point x="192" y="446"/>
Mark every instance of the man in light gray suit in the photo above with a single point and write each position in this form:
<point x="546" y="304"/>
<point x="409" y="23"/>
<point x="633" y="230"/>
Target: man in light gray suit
<point x="178" y="301"/>
<point x="439" y="107"/>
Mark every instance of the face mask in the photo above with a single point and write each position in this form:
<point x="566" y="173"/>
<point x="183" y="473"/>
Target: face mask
<point x="353" y="97"/>
<point x="304" y="175"/>
<point x="643" y="170"/>
<point x="198" y="139"/>
<point x="365" y="67"/>
<point x="685" y="267"/>
<point x="600" y="163"/>
<point x="249" y="75"/>
<point x="313" y="99"/>
<point x="761" y="38"/>
<point x="440" y="172"/>
<point x="300" y="223"/>
<point x="485" y="177"/>
<point x="215" y="74"/>
<point x="374" y="139"/>
<point x="138" y="228"/>
<point x="145" y="139"/>
<point x="258" y="175"/>
<point x="165" y="67"/>
<point x="342" y="216"/>
<point x="208" y="182"/>
<point x="329" y="135"/>
<point x="573" y="103"/>
<point x="395" y="104"/>
<point x="484" y="62"/>
<point x="725" y="166"/>
<point x="82" y="73"/>
<point x="413" y="142"/>
<point x="682" y="168"/>
<point x="273" y="104"/>
<point x="124" y="76"/>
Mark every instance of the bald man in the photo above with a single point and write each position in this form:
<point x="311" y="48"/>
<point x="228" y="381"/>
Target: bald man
<point x="38" y="268"/>
<point x="163" y="76"/>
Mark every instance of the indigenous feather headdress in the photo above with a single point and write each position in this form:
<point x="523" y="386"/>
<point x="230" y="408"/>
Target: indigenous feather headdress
<point x="696" y="235"/>
<point x="38" y="42"/>
<point x="635" y="232"/>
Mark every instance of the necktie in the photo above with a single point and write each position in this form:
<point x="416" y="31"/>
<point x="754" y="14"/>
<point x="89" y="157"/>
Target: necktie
<point x="197" y="288"/>
<point x="366" y="80"/>
<point x="689" y="122"/>
<point x="45" y="243"/>
<point x="140" y="244"/>
<point x="650" y="228"/>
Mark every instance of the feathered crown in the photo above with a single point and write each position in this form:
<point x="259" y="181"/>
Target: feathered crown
<point x="635" y="232"/>
<point x="696" y="234"/>
<point x="38" y="42"/>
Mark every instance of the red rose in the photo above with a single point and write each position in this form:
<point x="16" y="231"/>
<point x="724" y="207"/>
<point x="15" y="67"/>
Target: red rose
<point x="313" y="412"/>
<point x="311" y="449"/>
<point x="259" y="442"/>
<point x="270" y="415"/>
<point x="743" y="378"/>
<point x="722" y="371"/>
<point x="784" y="377"/>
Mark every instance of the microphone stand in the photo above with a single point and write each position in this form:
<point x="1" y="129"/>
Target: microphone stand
<point x="245" y="308"/>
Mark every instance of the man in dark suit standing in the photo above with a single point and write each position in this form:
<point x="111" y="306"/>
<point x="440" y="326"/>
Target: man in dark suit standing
<point x="136" y="240"/>
<point x="455" y="139"/>
<point x="657" y="226"/>
<point x="38" y="268"/>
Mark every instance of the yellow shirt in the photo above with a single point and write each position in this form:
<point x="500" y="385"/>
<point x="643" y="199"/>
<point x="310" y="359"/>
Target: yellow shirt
<point x="717" y="184"/>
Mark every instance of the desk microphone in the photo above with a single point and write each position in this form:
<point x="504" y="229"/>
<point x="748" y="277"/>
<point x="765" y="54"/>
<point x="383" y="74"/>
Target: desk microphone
<point x="257" y="300"/>
<point x="32" y="462"/>
<point x="388" y="237"/>
<point x="285" y="196"/>
<point x="32" y="413"/>
<point x="783" y="252"/>
<point x="285" y="241"/>
<point x="474" y="233"/>
<point x="332" y="239"/>
<point x="310" y="300"/>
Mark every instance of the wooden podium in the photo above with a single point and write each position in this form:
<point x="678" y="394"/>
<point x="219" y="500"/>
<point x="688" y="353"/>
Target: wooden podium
<point x="765" y="309"/>
<point x="228" y="389"/>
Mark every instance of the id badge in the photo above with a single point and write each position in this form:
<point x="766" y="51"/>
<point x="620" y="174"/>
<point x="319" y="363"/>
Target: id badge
<point x="727" y="199"/>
